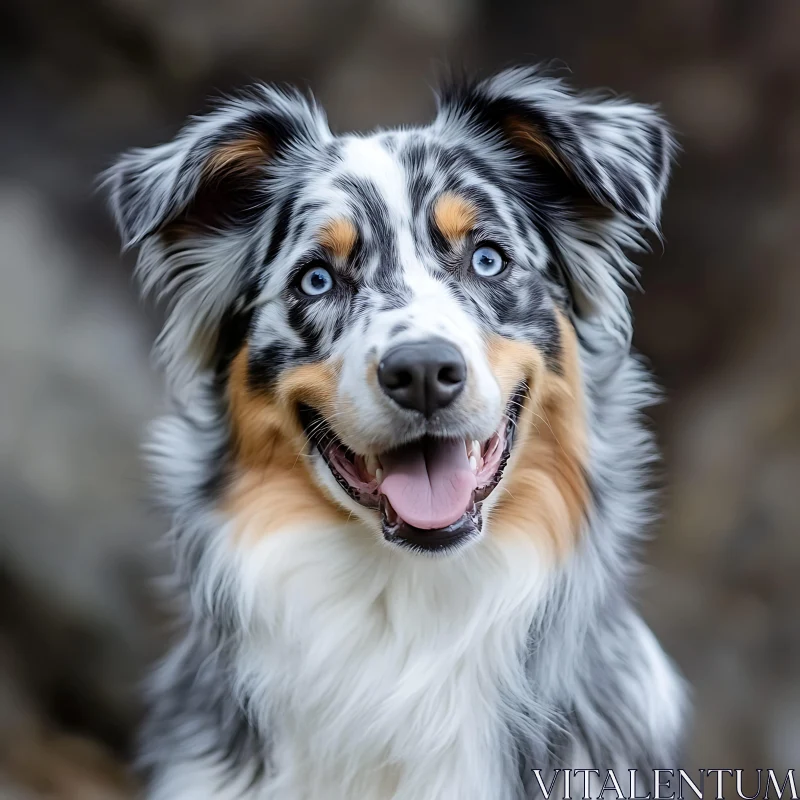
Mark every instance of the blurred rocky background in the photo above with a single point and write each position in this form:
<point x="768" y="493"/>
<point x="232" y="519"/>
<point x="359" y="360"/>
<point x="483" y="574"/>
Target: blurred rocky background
<point x="719" y="319"/>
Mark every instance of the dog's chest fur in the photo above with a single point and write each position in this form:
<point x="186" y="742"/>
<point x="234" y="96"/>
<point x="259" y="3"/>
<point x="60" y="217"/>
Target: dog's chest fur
<point x="381" y="676"/>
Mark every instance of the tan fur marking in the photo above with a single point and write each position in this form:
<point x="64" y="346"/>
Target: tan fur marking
<point x="245" y="154"/>
<point x="544" y="488"/>
<point x="454" y="216"/>
<point x="272" y="488"/>
<point x="339" y="236"/>
<point x="530" y="138"/>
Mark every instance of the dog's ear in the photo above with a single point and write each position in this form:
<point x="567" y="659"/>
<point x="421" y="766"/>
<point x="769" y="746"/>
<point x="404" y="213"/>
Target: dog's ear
<point x="191" y="206"/>
<point x="200" y="177"/>
<point x="593" y="168"/>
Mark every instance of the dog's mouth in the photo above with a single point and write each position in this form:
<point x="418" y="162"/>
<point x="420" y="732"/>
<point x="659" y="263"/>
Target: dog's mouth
<point x="429" y="491"/>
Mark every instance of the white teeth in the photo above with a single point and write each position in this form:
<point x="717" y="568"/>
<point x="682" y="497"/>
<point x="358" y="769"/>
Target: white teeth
<point x="473" y="463"/>
<point x="372" y="464"/>
<point x="476" y="448"/>
<point x="379" y="474"/>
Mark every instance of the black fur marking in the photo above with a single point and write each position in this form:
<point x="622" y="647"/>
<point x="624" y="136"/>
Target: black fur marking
<point x="233" y="329"/>
<point x="373" y="217"/>
<point x="419" y="178"/>
<point x="265" y="365"/>
<point x="400" y="327"/>
<point x="280" y="229"/>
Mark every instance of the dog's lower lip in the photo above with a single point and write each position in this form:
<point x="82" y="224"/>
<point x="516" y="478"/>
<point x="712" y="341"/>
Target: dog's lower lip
<point x="438" y="540"/>
<point x="366" y="491"/>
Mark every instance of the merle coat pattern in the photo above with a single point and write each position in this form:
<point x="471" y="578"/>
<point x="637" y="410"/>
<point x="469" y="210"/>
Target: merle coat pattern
<point x="325" y="654"/>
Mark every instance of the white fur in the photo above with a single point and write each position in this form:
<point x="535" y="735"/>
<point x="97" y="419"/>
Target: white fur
<point x="382" y="674"/>
<point x="202" y="779"/>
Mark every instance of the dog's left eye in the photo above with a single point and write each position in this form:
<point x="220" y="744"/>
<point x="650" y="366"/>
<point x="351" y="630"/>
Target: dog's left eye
<point x="487" y="261"/>
<point x="316" y="280"/>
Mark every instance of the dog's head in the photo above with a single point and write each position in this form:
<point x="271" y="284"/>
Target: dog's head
<point x="392" y="318"/>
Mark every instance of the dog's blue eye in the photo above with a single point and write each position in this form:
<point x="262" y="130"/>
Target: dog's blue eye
<point x="487" y="261"/>
<point x="315" y="281"/>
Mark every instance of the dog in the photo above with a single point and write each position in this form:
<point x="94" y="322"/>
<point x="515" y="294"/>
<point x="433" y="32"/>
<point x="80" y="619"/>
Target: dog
<point x="406" y="467"/>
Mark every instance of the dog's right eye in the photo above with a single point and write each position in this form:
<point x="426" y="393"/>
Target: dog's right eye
<point x="316" y="280"/>
<point x="488" y="261"/>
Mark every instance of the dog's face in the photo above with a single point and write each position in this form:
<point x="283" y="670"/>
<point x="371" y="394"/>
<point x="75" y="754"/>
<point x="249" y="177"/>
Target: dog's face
<point x="399" y="308"/>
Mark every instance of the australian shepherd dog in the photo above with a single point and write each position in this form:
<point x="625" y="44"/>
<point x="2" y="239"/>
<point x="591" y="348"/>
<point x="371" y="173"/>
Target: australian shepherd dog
<point x="406" y="467"/>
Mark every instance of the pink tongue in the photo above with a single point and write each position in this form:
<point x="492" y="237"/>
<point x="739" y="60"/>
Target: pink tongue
<point x="429" y="484"/>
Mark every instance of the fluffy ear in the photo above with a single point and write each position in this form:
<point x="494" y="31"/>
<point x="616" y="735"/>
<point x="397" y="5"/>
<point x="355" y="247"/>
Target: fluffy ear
<point x="198" y="178"/>
<point x="190" y="206"/>
<point x="593" y="168"/>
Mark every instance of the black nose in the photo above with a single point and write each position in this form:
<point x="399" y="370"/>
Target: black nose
<point x="423" y="376"/>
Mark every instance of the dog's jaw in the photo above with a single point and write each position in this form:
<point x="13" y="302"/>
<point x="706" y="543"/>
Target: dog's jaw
<point x="381" y="482"/>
